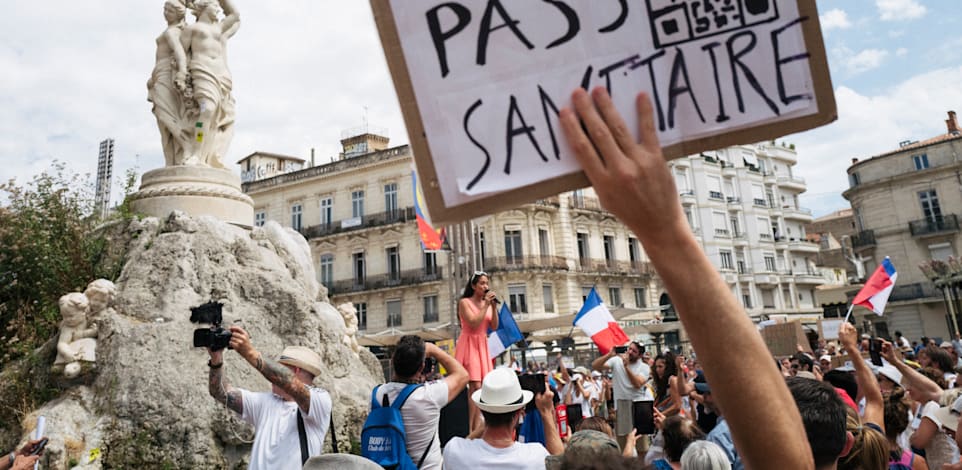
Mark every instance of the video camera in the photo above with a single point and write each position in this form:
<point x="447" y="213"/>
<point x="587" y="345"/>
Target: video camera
<point x="215" y="337"/>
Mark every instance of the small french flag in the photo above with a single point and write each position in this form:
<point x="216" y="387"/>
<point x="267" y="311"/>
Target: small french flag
<point x="596" y="321"/>
<point x="507" y="333"/>
<point x="875" y="294"/>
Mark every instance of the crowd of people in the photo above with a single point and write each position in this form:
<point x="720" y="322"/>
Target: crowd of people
<point x="626" y="409"/>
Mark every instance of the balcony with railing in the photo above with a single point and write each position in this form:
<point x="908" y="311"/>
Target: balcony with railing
<point x="357" y="223"/>
<point x="613" y="267"/>
<point x="586" y="203"/>
<point x="934" y="226"/>
<point x="863" y="239"/>
<point x="687" y="196"/>
<point x="791" y="182"/>
<point x="722" y="233"/>
<point x="525" y="263"/>
<point x="385" y="281"/>
<point x="797" y="213"/>
<point x="716" y="195"/>
<point x="759" y="202"/>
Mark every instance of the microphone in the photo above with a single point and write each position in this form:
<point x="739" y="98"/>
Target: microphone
<point x="495" y="299"/>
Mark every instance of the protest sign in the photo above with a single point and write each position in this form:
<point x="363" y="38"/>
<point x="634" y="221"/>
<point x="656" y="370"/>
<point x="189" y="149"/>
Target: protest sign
<point x="783" y="339"/>
<point x="480" y="83"/>
<point x="828" y="329"/>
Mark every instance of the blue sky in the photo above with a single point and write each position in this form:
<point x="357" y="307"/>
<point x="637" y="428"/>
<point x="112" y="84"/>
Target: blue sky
<point x="305" y="70"/>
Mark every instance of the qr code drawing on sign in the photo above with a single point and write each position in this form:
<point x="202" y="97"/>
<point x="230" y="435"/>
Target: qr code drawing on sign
<point x="678" y="21"/>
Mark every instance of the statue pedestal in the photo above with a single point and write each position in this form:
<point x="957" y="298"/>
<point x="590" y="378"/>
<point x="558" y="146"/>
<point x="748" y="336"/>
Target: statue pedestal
<point x="196" y="191"/>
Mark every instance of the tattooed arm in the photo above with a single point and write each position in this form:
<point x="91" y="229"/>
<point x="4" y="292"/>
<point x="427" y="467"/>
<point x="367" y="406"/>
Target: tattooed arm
<point x="275" y="372"/>
<point x="218" y="386"/>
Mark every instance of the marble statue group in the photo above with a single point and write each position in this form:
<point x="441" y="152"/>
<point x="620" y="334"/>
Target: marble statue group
<point x="190" y="86"/>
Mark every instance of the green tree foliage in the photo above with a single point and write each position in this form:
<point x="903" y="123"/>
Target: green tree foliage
<point x="49" y="246"/>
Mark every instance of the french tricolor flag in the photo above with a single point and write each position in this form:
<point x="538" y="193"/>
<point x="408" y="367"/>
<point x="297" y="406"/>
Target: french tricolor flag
<point x="875" y="293"/>
<point x="596" y="321"/>
<point x="507" y="333"/>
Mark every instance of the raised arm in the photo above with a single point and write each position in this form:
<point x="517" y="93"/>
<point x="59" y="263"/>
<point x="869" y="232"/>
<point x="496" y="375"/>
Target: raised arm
<point x="275" y="372"/>
<point x="923" y="389"/>
<point x="545" y="404"/>
<point x="218" y="386"/>
<point x="633" y="182"/>
<point x="599" y="363"/>
<point x="457" y="377"/>
<point x="867" y="383"/>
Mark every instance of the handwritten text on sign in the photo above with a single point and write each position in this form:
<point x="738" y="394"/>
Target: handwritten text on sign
<point x="490" y="76"/>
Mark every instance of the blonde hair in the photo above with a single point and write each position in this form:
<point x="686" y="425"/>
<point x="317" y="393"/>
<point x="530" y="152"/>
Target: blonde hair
<point x="870" y="449"/>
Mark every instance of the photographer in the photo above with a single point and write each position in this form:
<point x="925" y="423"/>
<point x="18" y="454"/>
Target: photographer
<point x="276" y="415"/>
<point x="422" y="410"/>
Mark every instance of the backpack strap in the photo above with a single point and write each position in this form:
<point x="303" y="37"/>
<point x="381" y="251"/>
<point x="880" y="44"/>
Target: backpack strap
<point x="405" y="393"/>
<point x="426" y="450"/>
<point x="374" y="404"/>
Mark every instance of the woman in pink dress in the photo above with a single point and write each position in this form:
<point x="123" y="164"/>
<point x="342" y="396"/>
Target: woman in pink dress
<point x="477" y="313"/>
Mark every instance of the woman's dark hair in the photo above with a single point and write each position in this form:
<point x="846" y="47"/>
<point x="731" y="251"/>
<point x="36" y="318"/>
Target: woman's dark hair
<point x="661" y="381"/>
<point x="896" y="413"/>
<point x="934" y="375"/>
<point x="678" y="432"/>
<point x="472" y="281"/>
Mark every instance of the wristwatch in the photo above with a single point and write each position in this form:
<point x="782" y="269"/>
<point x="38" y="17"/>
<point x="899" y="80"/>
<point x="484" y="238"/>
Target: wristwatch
<point x="212" y="366"/>
<point x="13" y="456"/>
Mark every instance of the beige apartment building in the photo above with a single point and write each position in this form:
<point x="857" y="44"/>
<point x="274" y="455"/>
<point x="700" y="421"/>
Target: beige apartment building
<point x="906" y="204"/>
<point x="357" y="213"/>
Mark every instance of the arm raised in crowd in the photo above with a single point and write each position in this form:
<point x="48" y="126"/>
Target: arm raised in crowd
<point x="923" y="389"/>
<point x="867" y="383"/>
<point x="633" y="182"/>
<point x="457" y="377"/>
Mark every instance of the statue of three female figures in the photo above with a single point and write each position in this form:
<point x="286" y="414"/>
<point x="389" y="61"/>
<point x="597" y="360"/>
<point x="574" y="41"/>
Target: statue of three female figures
<point x="190" y="85"/>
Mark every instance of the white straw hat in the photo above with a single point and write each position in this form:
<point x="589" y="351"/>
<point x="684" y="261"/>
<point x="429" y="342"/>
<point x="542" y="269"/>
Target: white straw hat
<point x="501" y="392"/>
<point x="300" y="356"/>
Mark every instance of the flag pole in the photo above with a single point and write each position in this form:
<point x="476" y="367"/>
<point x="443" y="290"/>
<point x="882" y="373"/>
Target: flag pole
<point x="850" y="307"/>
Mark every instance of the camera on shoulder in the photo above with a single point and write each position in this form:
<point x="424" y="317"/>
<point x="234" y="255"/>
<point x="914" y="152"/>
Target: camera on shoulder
<point x="214" y="337"/>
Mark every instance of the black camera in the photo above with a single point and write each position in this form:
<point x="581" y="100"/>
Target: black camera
<point x="215" y="337"/>
<point x="429" y="365"/>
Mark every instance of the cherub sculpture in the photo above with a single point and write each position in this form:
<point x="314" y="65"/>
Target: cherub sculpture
<point x="77" y="343"/>
<point x="349" y="313"/>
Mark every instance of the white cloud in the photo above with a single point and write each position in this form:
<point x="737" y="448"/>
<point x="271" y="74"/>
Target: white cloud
<point x="868" y="125"/>
<point x="901" y="52"/>
<point x="834" y="19"/>
<point x="897" y="10"/>
<point x="854" y="63"/>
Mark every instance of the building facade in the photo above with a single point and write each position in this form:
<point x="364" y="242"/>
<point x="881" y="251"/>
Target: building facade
<point x="906" y="204"/>
<point x="358" y="215"/>
<point x="742" y="203"/>
<point x="105" y="172"/>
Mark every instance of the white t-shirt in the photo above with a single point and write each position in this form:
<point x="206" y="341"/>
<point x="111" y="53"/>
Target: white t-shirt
<point x="941" y="448"/>
<point x="621" y="385"/>
<point x="462" y="453"/>
<point x="420" y="413"/>
<point x="277" y="445"/>
<point x="578" y="398"/>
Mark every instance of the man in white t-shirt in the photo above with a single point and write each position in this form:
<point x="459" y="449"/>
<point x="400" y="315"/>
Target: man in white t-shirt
<point x="422" y="410"/>
<point x="628" y="377"/>
<point x="502" y="401"/>
<point x="274" y="415"/>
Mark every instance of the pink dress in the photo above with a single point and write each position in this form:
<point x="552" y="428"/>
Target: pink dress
<point x="472" y="348"/>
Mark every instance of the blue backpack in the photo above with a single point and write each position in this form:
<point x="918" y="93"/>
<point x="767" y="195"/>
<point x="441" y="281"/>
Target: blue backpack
<point x="383" y="436"/>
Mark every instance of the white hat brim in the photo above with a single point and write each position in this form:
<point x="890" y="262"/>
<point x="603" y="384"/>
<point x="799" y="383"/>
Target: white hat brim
<point x="526" y="396"/>
<point x="946" y="418"/>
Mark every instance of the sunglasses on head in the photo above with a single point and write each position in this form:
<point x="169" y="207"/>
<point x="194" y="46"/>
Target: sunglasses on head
<point x="478" y="274"/>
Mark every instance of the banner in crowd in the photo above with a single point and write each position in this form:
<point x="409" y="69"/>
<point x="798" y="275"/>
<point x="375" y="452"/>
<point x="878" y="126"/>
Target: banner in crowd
<point x="481" y="83"/>
<point x="875" y="294"/>
<point x="507" y="333"/>
<point x="597" y="322"/>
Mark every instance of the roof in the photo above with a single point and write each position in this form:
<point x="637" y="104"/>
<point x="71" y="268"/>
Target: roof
<point x="914" y="146"/>
<point x="273" y="155"/>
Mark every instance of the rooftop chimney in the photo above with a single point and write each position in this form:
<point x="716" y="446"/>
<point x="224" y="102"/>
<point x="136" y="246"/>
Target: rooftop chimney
<point x="854" y="160"/>
<point x="952" y="124"/>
